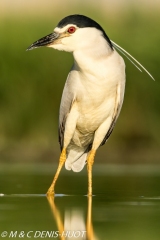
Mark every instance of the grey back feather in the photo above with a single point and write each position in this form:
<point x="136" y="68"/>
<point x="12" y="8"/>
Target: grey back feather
<point x="65" y="107"/>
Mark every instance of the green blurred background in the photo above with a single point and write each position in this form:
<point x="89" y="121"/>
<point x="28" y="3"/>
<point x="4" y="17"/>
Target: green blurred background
<point x="31" y="83"/>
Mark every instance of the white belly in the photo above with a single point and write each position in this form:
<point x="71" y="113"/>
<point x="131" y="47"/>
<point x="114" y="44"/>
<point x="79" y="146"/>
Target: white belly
<point x="95" y="96"/>
<point x="93" y="110"/>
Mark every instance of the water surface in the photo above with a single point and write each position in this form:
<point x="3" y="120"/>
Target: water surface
<point x="125" y="205"/>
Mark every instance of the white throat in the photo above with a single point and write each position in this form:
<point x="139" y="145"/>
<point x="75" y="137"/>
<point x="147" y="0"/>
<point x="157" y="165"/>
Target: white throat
<point x="93" y="54"/>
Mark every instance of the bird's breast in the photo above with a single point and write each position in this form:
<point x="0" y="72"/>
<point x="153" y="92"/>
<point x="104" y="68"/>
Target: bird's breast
<point x="94" y="107"/>
<point x="95" y="91"/>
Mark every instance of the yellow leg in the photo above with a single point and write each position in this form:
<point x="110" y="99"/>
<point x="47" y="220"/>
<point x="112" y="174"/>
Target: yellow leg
<point x="62" y="159"/>
<point x="90" y="162"/>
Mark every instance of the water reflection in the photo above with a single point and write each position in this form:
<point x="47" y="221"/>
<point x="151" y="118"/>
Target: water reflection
<point x="126" y="206"/>
<point x="74" y="225"/>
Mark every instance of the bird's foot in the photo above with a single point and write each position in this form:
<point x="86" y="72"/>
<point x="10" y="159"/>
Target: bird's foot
<point x="50" y="193"/>
<point x="89" y="194"/>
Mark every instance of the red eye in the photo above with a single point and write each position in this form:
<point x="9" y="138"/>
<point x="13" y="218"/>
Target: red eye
<point x="71" y="30"/>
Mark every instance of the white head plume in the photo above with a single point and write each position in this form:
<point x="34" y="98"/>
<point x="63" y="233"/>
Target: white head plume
<point x="131" y="59"/>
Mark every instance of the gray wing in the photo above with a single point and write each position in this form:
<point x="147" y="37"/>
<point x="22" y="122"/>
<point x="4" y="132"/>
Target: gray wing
<point x="65" y="107"/>
<point x="117" y="109"/>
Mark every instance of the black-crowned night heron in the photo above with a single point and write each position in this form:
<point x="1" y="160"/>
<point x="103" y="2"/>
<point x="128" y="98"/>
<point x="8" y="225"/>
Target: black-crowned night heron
<point x="93" y="93"/>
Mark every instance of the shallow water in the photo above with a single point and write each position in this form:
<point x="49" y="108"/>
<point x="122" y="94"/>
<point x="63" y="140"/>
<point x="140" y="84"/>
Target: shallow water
<point x="125" y="205"/>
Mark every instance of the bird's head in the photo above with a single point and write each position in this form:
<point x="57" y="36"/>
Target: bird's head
<point x="73" y="32"/>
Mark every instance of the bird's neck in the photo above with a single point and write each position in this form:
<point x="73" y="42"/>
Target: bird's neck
<point x="88" y="59"/>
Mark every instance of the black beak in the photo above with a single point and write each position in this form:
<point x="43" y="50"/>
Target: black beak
<point x="45" y="41"/>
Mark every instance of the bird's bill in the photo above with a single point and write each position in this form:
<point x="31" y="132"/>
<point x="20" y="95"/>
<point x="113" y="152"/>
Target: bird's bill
<point x="45" y="41"/>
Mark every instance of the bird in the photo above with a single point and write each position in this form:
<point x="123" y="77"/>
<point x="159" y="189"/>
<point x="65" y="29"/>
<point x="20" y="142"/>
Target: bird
<point x="93" y="93"/>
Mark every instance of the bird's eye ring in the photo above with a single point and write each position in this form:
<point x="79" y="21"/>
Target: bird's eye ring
<point x="71" y="29"/>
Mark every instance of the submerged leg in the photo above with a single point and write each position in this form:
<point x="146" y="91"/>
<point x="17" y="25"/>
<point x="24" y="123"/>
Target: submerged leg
<point x="90" y="162"/>
<point x="62" y="159"/>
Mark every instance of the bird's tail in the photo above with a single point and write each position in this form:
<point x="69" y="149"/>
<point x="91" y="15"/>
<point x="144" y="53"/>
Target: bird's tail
<point x="76" y="158"/>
